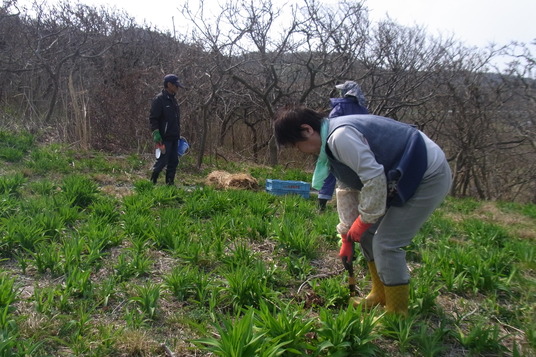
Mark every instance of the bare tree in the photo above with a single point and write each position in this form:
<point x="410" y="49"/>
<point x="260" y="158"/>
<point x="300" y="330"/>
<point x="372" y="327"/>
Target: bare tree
<point x="92" y="73"/>
<point x="472" y="121"/>
<point x="400" y="64"/>
<point x="272" y="59"/>
<point x="522" y="68"/>
<point x="517" y="116"/>
<point x="49" y="55"/>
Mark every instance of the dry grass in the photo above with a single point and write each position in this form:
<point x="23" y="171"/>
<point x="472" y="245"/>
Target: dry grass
<point x="520" y="226"/>
<point x="226" y="180"/>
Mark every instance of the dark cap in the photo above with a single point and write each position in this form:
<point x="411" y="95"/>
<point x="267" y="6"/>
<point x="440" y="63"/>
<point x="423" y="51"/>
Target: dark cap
<point x="173" y="79"/>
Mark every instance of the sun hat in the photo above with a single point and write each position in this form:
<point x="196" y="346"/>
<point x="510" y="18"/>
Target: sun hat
<point x="352" y="89"/>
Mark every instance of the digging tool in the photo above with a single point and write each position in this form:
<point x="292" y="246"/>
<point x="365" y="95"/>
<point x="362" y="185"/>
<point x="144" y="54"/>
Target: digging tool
<point x="349" y="266"/>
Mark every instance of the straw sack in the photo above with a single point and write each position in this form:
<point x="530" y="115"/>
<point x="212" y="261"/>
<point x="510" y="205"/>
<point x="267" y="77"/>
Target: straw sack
<point x="224" y="180"/>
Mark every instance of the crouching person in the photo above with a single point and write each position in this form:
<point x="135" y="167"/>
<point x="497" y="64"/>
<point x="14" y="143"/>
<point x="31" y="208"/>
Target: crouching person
<point x="392" y="172"/>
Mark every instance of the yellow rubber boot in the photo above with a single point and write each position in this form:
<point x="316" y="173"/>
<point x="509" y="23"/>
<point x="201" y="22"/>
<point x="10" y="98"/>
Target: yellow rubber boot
<point x="396" y="299"/>
<point x="377" y="293"/>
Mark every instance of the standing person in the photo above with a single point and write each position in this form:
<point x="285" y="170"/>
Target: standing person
<point x="352" y="101"/>
<point x="399" y="175"/>
<point x="164" y="119"/>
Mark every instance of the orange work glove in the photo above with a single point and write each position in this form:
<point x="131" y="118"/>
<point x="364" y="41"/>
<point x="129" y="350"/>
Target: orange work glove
<point x="357" y="229"/>
<point x="347" y="250"/>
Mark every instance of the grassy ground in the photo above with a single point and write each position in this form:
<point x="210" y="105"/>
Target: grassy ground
<point x="96" y="261"/>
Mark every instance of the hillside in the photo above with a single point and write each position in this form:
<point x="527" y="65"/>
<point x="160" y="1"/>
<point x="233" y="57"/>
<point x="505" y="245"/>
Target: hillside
<point x="96" y="261"/>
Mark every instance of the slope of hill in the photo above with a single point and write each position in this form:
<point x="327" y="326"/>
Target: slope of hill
<point x="96" y="261"/>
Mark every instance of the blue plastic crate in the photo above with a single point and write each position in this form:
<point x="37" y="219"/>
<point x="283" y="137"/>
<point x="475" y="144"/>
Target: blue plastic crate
<point x="282" y="187"/>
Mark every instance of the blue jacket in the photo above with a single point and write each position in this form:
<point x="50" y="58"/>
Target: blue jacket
<point x="345" y="106"/>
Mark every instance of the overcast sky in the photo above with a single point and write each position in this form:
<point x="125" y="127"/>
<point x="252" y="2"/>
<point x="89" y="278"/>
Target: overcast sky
<point x="474" y="22"/>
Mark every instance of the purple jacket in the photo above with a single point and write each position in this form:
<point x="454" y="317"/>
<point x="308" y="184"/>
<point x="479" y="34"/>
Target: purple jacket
<point x="345" y="106"/>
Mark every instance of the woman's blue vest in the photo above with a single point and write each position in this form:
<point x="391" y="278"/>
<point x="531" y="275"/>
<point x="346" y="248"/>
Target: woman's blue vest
<point x="397" y="146"/>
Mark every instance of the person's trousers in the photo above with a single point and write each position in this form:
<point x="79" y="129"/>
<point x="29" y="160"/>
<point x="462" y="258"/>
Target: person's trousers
<point x="328" y="187"/>
<point x="169" y="161"/>
<point x="383" y="243"/>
